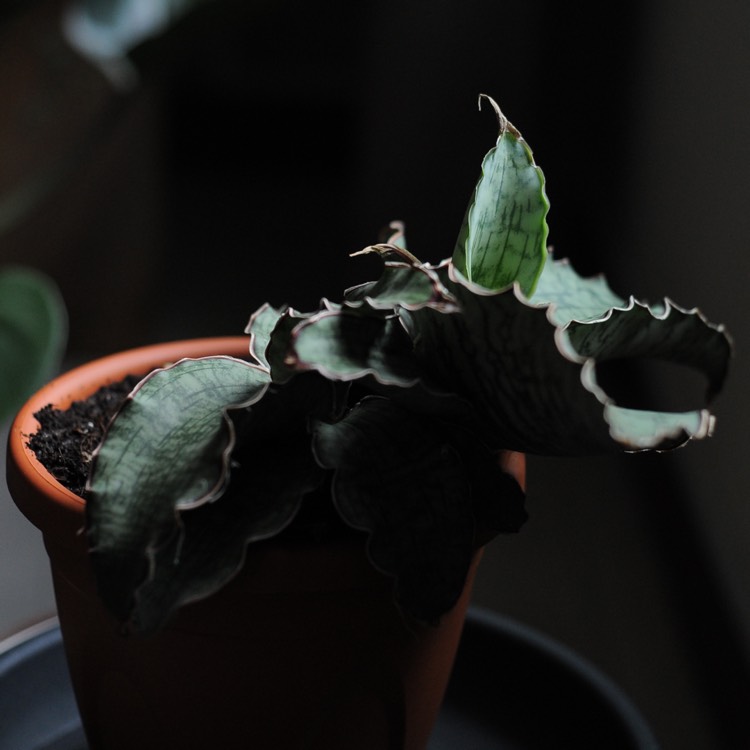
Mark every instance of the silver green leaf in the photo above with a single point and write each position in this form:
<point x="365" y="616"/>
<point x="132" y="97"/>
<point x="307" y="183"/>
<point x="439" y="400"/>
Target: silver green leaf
<point x="209" y="546"/>
<point x="261" y="325"/>
<point x="273" y="469"/>
<point x="167" y="450"/>
<point x="529" y="365"/>
<point x="406" y="285"/>
<point x="504" y="234"/>
<point x="570" y="296"/>
<point x="347" y="345"/>
<point x="365" y="335"/>
<point x="173" y="418"/>
<point x="597" y="326"/>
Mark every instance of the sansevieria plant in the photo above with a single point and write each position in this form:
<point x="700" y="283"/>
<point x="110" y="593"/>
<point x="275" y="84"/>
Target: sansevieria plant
<point x="386" y="411"/>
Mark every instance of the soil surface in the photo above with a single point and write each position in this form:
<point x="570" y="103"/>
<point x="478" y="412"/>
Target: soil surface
<point x="67" y="438"/>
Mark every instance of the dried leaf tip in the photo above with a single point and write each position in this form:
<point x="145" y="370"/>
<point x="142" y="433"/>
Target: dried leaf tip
<point x="505" y="124"/>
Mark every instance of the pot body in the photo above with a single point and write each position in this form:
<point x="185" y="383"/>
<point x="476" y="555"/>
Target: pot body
<point x="304" y="648"/>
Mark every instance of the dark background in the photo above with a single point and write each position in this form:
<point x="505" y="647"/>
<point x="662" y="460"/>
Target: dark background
<point x="265" y="141"/>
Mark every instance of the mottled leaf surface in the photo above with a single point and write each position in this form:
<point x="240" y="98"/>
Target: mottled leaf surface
<point x="573" y="297"/>
<point x="504" y="235"/>
<point x="273" y="469"/>
<point x="168" y="449"/>
<point x="529" y="367"/>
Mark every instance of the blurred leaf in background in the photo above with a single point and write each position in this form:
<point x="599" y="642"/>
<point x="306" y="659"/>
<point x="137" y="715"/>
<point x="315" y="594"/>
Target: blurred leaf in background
<point x="33" y="334"/>
<point x="106" y="31"/>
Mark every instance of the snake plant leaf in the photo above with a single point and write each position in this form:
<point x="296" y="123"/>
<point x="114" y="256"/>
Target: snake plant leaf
<point x="211" y="544"/>
<point x="365" y="336"/>
<point x="278" y="353"/>
<point x="643" y="430"/>
<point x="573" y="297"/>
<point x="347" y="345"/>
<point x="273" y="469"/>
<point x="261" y="325"/>
<point x="408" y="285"/>
<point x="668" y="332"/>
<point x="500" y="353"/>
<point x="530" y="370"/>
<point x="397" y="478"/>
<point x="33" y="334"/>
<point x="598" y="326"/>
<point x="503" y="238"/>
<point x="168" y="449"/>
<point x="676" y="336"/>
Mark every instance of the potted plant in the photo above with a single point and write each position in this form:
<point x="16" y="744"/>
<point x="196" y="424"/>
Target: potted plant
<point x="276" y="540"/>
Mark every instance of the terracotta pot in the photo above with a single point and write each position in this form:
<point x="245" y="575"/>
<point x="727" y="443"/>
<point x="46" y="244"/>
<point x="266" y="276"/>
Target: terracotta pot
<point x="303" y="649"/>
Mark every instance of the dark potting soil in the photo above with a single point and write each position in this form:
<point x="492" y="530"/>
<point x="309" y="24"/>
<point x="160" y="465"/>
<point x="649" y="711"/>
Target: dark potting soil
<point x="67" y="438"/>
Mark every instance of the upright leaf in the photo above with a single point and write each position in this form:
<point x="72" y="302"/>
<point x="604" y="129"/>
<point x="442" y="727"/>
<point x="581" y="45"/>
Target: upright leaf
<point x="504" y="235"/>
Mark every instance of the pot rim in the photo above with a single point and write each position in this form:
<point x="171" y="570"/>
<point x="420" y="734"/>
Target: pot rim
<point x="75" y="384"/>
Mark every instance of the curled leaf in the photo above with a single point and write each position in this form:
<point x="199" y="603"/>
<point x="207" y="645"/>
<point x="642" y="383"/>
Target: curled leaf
<point x="260" y="327"/>
<point x="347" y="345"/>
<point x="528" y="365"/>
<point x="177" y="417"/>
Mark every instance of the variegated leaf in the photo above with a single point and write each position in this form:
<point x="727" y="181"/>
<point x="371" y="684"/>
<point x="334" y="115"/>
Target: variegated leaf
<point x="176" y="418"/>
<point x="504" y="235"/>
<point x="347" y="345"/>
<point x="530" y="370"/>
